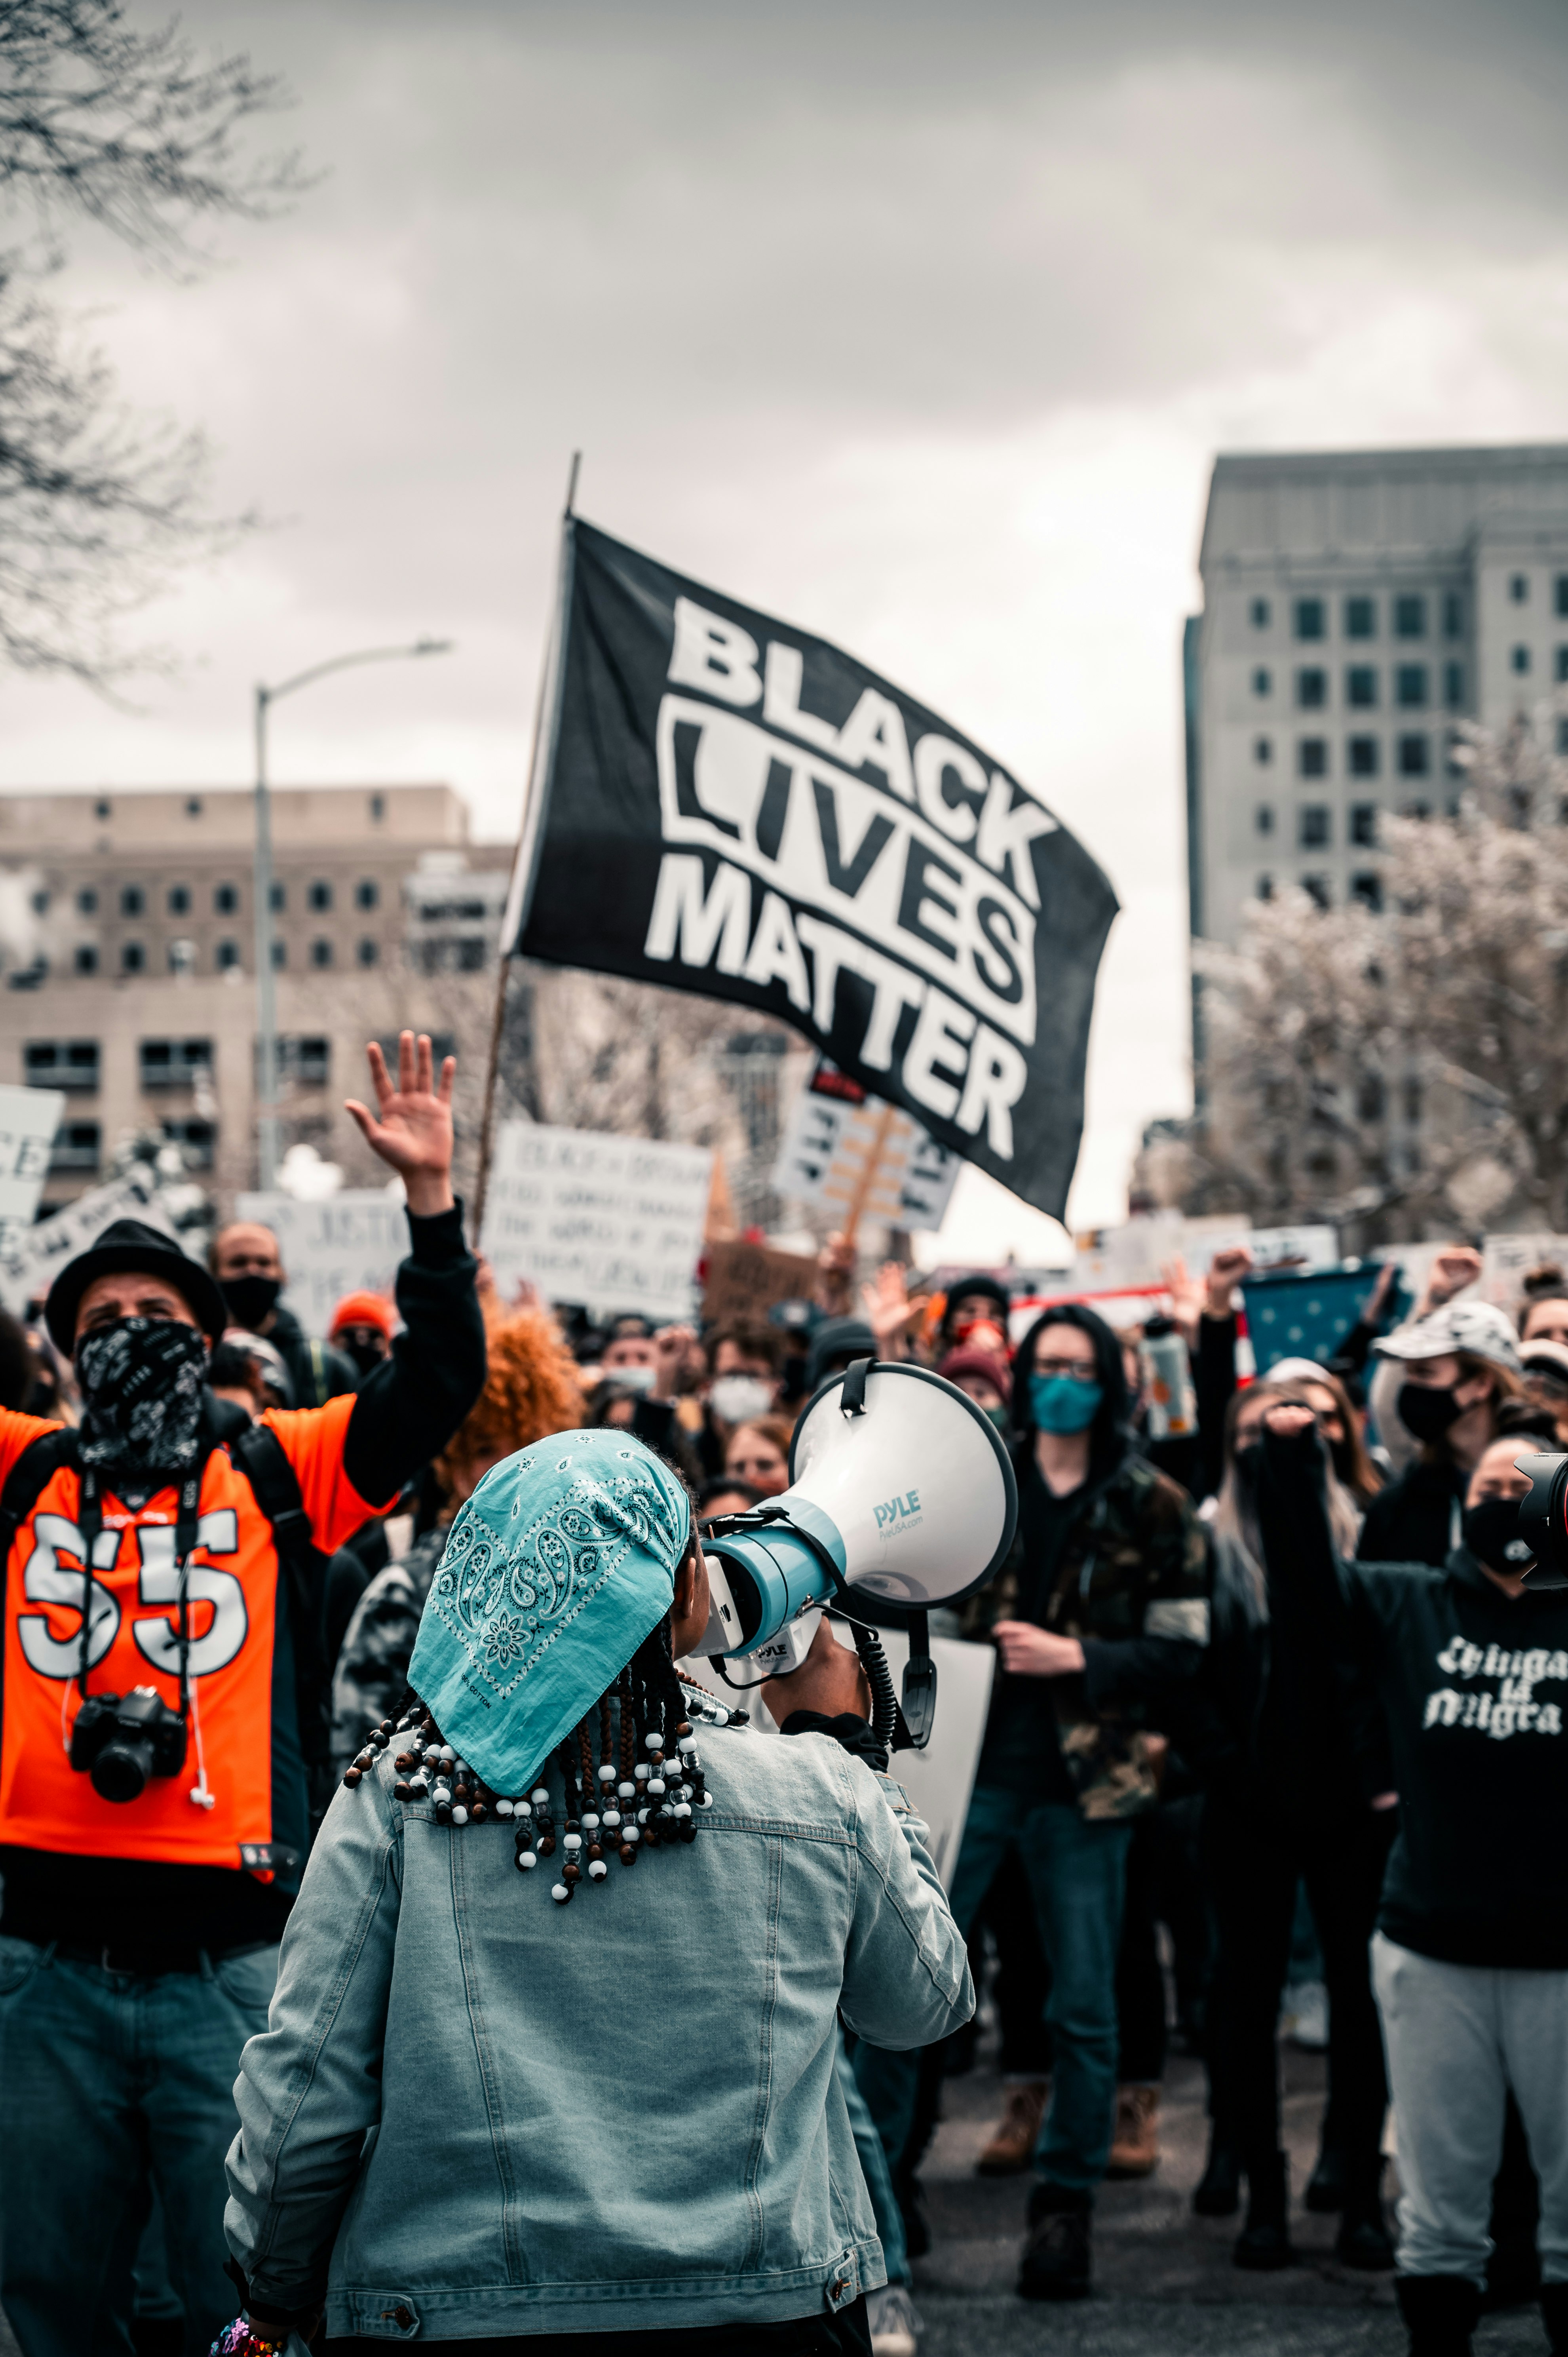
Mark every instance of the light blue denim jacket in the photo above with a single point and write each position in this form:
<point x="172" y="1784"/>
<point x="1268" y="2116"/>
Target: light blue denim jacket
<point x="474" y="2111"/>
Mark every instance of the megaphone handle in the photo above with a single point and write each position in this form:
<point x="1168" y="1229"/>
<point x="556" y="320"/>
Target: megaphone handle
<point x="919" y="1704"/>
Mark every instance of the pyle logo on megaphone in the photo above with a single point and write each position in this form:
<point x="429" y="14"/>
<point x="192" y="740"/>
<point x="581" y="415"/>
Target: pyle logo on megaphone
<point x="830" y="1539"/>
<point x="898" y="1510"/>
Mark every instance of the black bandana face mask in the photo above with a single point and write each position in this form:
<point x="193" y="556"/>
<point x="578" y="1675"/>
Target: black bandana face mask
<point x="142" y="1381"/>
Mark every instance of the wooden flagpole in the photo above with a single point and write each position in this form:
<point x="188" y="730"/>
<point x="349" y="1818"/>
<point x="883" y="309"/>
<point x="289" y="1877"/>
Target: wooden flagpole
<point x="548" y="669"/>
<point x="868" y="1170"/>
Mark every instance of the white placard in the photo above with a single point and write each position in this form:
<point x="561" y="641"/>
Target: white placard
<point x="40" y="1251"/>
<point x="347" y="1242"/>
<point x="28" y="1119"/>
<point x="613" y="1223"/>
<point x="824" y="1152"/>
<point x="1505" y="1259"/>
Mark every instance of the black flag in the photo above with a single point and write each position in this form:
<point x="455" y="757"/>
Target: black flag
<point x="728" y="805"/>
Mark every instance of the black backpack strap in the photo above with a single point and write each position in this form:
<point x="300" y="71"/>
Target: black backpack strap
<point x="259" y="1454"/>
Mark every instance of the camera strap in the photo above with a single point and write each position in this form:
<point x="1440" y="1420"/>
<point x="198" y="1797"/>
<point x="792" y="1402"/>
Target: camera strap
<point x="90" y="1522"/>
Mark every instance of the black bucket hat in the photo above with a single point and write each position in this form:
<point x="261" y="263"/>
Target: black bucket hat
<point x="131" y="1245"/>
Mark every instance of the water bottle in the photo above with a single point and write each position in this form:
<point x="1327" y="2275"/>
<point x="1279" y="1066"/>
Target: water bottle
<point x="1167" y="1380"/>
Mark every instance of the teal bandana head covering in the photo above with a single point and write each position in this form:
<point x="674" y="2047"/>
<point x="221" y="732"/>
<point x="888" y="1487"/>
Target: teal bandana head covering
<point x="555" y="1570"/>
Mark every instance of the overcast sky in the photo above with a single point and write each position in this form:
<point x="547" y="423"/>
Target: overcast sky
<point x="919" y="326"/>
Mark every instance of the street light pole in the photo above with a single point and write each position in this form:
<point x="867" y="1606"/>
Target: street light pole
<point x="266" y="984"/>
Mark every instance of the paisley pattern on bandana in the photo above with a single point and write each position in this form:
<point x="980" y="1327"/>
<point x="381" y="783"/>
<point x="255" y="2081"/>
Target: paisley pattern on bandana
<point x="141" y="1383"/>
<point x="554" y="1573"/>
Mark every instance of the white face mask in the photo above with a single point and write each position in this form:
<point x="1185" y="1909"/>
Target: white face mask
<point x="631" y="1379"/>
<point x="735" y="1399"/>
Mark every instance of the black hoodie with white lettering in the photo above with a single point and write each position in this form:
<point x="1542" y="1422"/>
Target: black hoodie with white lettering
<point x="1474" y="1684"/>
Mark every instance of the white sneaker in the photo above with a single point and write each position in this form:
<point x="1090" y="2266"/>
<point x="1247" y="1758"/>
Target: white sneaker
<point x="894" y="2319"/>
<point x="1308" y="2001"/>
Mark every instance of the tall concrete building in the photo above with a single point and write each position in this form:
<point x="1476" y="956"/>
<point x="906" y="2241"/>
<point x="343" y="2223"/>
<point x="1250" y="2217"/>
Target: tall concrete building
<point x="127" y="960"/>
<point x="1356" y="604"/>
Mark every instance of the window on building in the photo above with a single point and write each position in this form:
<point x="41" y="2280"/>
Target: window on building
<point x="1317" y="888"/>
<point x="1312" y="756"/>
<point x="86" y="958"/>
<point x="195" y="1139"/>
<point x="1453" y="613"/>
<point x="305" y="1061"/>
<point x="1409" y="616"/>
<point x="367" y="892"/>
<point x="280" y="956"/>
<point x="1519" y="660"/>
<point x="179" y="901"/>
<point x="1561" y="600"/>
<point x="79" y="1146"/>
<point x="1364" y="824"/>
<point x="319" y="896"/>
<point x="1371" y="1097"/>
<point x="1309" y="617"/>
<point x="182" y="956"/>
<point x="1563" y="735"/>
<point x="173" y="1063"/>
<point x="1263" y="818"/>
<point x="226" y="900"/>
<point x="101" y="810"/>
<point x="1415" y="810"/>
<point x="1368" y="890"/>
<point x="1361" y="617"/>
<point x="1415" y="756"/>
<point x="1259" y="613"/>
<point x="378" y="807"/>
<point x="1265" y="887"/>
<point x="228" y="957"/>
<point x="70" y="1064"/>
<point x="1453" y="686"/>
<point x="133" y="958"/>
<point x="1560" y="663"/>
<point x="132" y="900"/>
<point x="279" y="898"/>
<point x="1262" y="751"/>
<point x="1311" y="690"/>
<point x="40" y="904"/>
<point x="1362" y="687"/>
<point x="193" y="806"/>
<point x="1412" y="1100"/>
<point x="87" y="901"/>
<point x="1519" y="588"/>
<point x="369" y="953"/>
<point x="1364" y="756"/>
<point x="1410" y="686"/>
<point x="1316" y="824"/>
<point x="320" y="953"/>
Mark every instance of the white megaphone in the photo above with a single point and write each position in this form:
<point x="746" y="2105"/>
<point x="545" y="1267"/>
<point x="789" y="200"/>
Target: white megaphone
<point x="901" y="1497"/>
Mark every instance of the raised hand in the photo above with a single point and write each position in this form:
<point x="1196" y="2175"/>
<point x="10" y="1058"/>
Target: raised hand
<point x="1226" y="1270"/>
<point x="887" y="1310"/>
<point x="1456" y="1266"/>
<point x="1188" y="1298"/>
<point x="411" y="1127"/>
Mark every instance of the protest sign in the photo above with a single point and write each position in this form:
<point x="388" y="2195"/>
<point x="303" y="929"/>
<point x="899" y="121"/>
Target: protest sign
<point x="348" y="1242"/>
<point x="1505" y="1261"/>
<point x="939" y="1779"/>
<point x="727" y="804"/>
<point x="836" y="1131"/>
<point x="28" y="1119"/>
<point x="741" y="1281"/>
<point x="613" y="1223"/>
<point x="30" y="1267"/>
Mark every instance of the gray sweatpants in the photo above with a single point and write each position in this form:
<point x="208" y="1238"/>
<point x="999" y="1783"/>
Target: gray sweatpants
<point x="1458" y="2038"/>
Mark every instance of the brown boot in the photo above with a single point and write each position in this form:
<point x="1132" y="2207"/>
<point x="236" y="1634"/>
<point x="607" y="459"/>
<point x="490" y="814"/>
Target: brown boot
<point x="1012" y="2148"/>
<point x="1135" y="2142"/>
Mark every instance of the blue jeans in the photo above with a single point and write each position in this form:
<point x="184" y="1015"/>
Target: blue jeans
<point x="1077" y="1871"/>
<point x="111" y="2084"/>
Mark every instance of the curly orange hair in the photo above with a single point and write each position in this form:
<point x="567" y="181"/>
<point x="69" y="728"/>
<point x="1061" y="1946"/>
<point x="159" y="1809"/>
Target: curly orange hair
<point x="531" y="1388"/>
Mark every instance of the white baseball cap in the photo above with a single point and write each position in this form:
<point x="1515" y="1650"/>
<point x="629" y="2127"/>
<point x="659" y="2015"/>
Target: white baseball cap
<point x="1473" y="1326"/>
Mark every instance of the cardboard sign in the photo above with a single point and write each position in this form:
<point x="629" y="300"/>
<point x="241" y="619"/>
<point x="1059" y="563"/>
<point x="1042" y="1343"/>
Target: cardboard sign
<point x="834" y="1129"/>
<point x="1506" y="1260"/>
<point x="31" y="1266"/>
<point x="28" y="1119"/>
<point x="347" y="1242"/>
<point x="744" y="1280"/>
<point x="612" y="1222"/>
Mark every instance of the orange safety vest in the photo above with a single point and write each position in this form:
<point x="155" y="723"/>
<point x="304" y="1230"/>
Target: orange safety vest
<point x="231" y="1587"/>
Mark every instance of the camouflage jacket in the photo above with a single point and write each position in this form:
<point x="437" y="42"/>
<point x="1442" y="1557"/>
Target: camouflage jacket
<point x="1131" y="1583"/>
<point x="371" y="1676"/>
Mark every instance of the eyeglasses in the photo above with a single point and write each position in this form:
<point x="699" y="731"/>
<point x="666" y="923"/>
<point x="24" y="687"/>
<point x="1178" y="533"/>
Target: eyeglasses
<point x="1078" y="1371"/>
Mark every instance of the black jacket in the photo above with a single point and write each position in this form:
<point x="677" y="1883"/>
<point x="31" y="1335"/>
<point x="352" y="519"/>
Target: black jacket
<point x="316" y="1372"/>
<point x="1474" y="1684"/>
<point x="1415" y="1518"/>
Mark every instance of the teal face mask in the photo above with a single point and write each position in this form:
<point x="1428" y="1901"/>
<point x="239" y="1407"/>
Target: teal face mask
<point x="1061" y="1404"/>
<point x="998" y="1417"/>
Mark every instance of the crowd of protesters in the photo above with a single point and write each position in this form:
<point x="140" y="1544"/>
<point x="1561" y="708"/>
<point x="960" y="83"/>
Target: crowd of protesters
<point x="1270" y="1682"/>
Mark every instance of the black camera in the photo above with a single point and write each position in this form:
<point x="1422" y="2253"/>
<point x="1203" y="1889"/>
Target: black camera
<point x="121" y="1740"/>
<point x="1543" y="1519"/>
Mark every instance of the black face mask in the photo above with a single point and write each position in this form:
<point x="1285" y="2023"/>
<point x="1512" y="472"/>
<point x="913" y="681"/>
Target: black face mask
<point x="1425" y="1413"/>
<point x="251" y="1299"/>
<point x="365" y="1355"/>
<point x="1490" y="1530"/>
<point x="142" y="1381"/>
<point x="1249" y="1463"/>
